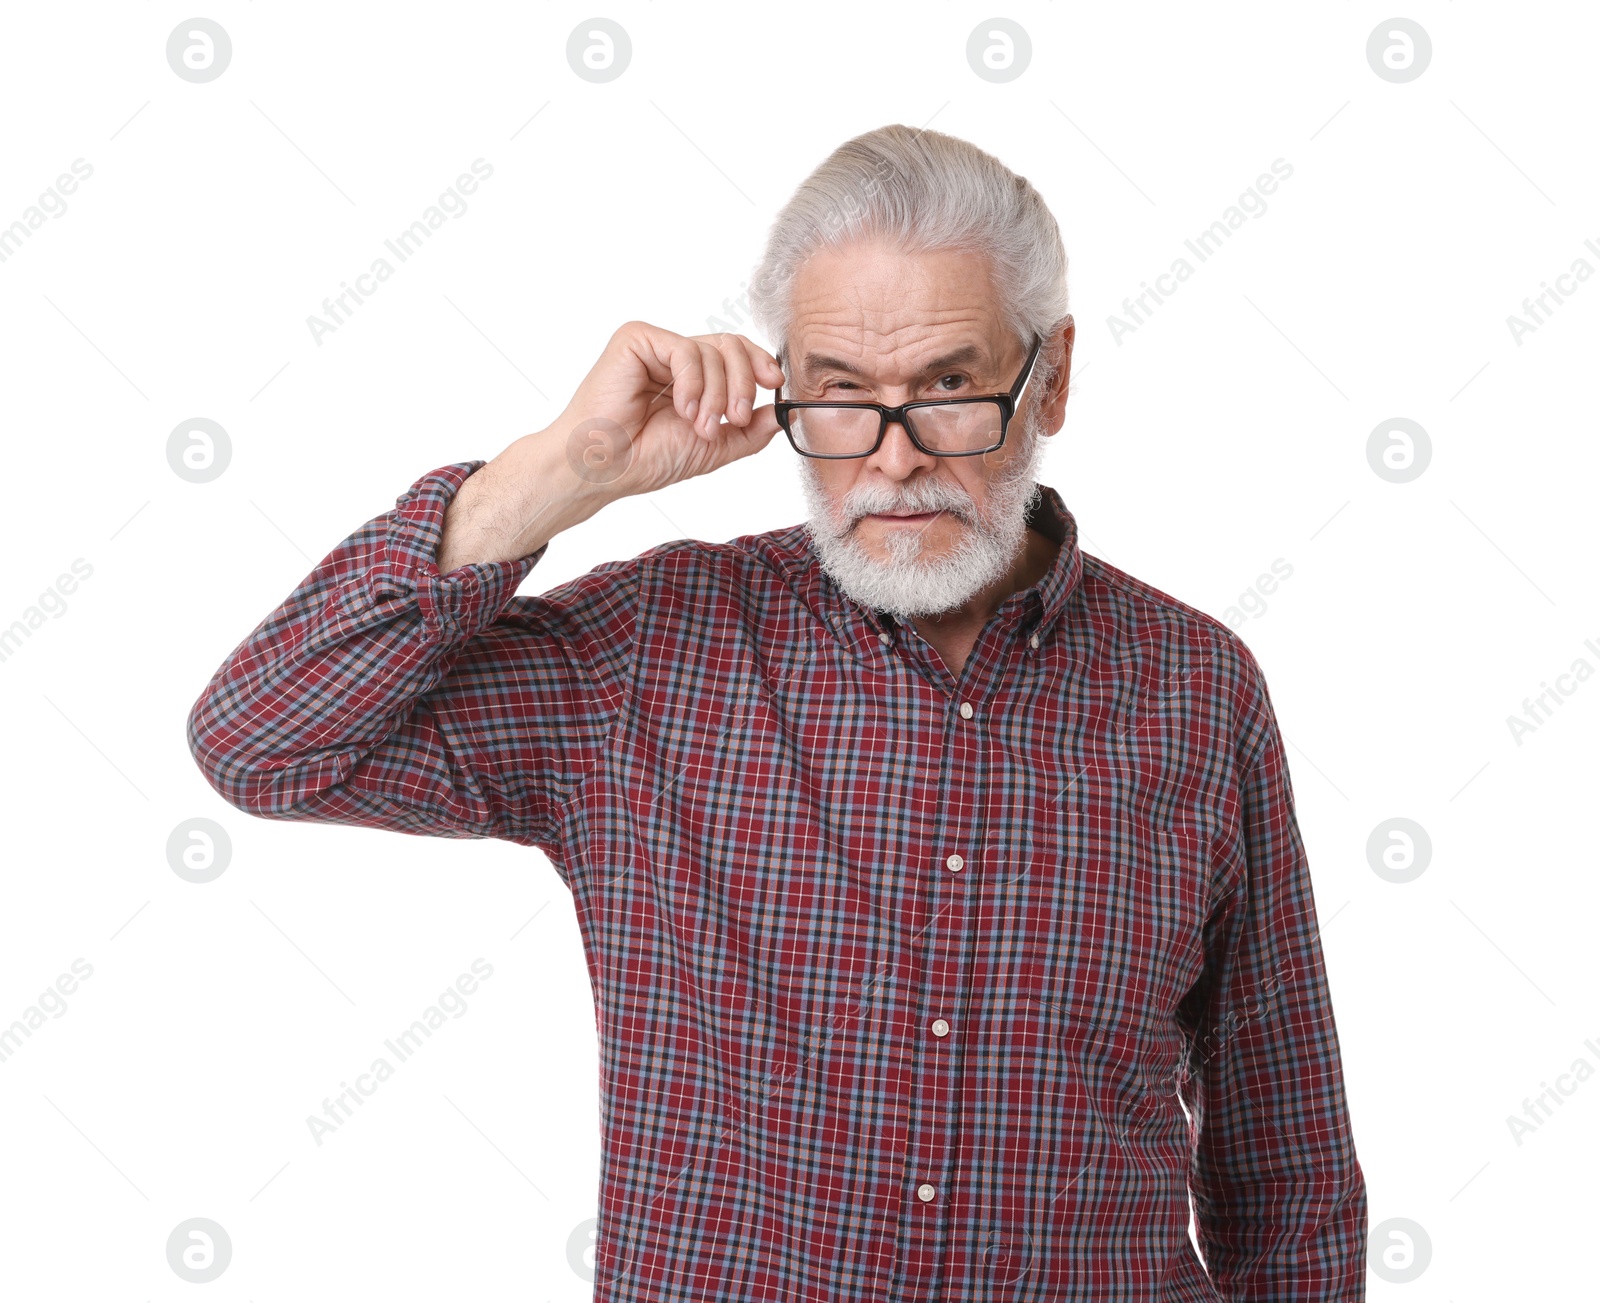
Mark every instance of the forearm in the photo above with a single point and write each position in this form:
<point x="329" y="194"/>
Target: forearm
<point x="514" y="505"/>
<point x="336" y="671"/>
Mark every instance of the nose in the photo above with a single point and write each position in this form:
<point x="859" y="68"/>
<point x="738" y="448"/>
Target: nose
<point x="897" y="456"/>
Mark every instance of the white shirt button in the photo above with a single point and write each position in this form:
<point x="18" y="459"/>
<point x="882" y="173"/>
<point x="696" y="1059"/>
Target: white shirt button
<point x="955" y="864"/>
<point x="925" y="1192"/>
<point x="884" y="639"/>
<point x="966" y="710"/>
<point x="941" y="1027"/>
<point x="1033" y="641"/>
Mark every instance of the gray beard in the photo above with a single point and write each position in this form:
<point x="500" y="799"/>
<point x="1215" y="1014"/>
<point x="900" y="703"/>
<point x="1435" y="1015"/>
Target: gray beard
<point x="907" y="583"/>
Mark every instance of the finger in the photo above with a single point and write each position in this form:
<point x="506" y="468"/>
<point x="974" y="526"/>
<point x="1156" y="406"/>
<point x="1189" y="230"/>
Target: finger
<point x="676" y="364"/>
<point x="714" y="397"/>
<point x="741" y="377"/>
<point x="738" y="441"/>
<point x="767" y="370"/>
<point x="763" y="424"/>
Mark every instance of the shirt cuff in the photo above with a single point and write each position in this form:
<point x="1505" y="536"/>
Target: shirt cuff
<point x="453" y="606"/>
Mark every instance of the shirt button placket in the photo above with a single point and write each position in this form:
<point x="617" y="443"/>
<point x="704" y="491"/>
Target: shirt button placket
<point x="934" y="1154"/>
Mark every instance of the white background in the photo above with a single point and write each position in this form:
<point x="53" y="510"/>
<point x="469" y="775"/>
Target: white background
<point x="1228" y="431"/>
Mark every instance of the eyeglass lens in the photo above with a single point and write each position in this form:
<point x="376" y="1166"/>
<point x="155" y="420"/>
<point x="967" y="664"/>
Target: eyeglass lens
<point x="947" y="427"/>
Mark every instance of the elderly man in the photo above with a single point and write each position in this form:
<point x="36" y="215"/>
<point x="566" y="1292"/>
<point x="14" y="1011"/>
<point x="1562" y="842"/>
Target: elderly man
<point x="947" y="917"/>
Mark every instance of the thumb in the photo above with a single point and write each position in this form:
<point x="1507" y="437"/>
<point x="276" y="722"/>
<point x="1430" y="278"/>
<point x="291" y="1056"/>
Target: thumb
<point x="736" y="441"/>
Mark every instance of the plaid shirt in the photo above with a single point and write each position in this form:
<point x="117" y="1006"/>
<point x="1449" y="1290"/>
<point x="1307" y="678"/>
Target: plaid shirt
<point x="909" y="984"/>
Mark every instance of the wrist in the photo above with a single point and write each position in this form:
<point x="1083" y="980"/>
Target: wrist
<point x="513" y="505"/>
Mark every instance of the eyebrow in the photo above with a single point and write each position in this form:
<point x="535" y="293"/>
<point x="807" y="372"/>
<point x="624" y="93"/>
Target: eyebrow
<point x="966" y="354"/>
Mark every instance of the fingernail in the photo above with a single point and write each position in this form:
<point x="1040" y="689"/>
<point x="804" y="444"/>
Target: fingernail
<point x="692" y="408"/>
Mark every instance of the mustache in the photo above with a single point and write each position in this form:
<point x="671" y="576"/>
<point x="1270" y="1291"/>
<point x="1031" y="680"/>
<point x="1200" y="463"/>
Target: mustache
<point x="857" y="511"/>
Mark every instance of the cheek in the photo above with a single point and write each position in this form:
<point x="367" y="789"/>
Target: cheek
<point x="976" y="482"/>
<point x="1004" y="463"/>
<point x="992" y="466"/>
<point x="836" y="479"/>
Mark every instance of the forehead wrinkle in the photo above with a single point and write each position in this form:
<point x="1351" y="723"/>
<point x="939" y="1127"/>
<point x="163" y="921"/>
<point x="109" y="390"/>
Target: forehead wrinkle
<point x="813" y="363"/>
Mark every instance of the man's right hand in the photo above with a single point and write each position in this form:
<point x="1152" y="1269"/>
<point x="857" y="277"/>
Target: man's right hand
<point x="651" y="410"/>
<point x="656" y="408"/>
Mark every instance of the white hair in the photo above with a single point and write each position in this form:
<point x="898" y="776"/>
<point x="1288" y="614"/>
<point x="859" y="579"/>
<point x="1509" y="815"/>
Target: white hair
<point x="923" y="191"/>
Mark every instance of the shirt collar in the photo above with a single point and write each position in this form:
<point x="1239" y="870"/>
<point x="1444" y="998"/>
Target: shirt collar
<point x="1033" y="611"/>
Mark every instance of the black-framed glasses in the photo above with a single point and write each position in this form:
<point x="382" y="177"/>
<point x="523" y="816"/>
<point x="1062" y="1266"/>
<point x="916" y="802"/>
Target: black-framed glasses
<point x="941" y="427"/>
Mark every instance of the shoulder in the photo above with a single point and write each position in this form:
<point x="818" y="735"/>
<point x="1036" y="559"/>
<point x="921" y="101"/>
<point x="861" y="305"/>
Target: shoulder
<point x="693" y="579"/>
<point x="749" y="570"/>
<point x="1137" y="610"/>
<point x="1175" y="649"/>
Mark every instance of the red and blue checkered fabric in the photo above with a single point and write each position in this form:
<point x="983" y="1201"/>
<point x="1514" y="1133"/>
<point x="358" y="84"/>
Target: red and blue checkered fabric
<point x="910" y="985"/>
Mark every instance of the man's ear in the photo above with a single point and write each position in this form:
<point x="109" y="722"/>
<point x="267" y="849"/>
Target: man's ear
<point x="1053" y="403"/>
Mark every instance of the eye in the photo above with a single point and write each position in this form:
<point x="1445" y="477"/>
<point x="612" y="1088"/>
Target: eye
<point x="953" y="375"/>
<point x="823" y="390"/>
